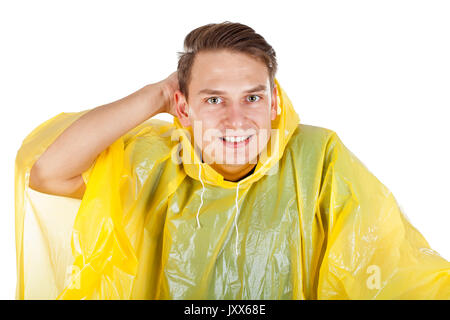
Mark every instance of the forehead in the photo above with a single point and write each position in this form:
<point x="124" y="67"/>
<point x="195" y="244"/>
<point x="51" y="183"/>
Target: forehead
<point x="227" y="71"/>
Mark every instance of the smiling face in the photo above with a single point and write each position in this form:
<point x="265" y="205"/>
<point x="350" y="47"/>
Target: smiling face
<point x="230" y="109"/>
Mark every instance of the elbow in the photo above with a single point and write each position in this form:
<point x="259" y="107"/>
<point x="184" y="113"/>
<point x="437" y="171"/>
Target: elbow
<point x="73" y="187"/>
<point x="35" y="180"/>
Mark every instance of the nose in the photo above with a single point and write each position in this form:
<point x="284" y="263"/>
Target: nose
<point x="235" y="116"/>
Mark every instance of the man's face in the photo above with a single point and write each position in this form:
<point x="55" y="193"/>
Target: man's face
<point x="229" y="100"/>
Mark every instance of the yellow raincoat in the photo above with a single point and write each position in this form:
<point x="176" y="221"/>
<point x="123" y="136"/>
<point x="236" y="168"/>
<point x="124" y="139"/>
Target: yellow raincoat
<point x="311" y="222"/>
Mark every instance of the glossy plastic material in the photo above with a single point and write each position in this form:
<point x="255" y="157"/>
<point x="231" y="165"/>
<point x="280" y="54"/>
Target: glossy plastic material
<point x="311" y="222"/>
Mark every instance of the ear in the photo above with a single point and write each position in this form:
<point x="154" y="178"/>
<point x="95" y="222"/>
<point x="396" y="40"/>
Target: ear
<point x="274" y="105"/>
<point x="182" y="108"/>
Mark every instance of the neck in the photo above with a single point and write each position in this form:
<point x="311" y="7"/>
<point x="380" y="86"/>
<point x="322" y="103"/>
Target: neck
<point x="234" y="173"/>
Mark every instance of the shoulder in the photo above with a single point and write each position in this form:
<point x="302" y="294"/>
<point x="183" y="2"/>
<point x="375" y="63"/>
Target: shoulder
<point x="153" y="129"/>
<point x="144" y="148"/>
<point x="316" y="147"/>
<point x="149" y="142"/>
<point x="311" y="137"/>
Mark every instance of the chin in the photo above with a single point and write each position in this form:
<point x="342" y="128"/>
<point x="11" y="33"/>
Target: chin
<point x="229" y="168"/>
<point x="234" y="165"/>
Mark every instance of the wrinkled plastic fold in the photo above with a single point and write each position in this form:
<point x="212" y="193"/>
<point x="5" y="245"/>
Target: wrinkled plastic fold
<point x="311" y="222"/>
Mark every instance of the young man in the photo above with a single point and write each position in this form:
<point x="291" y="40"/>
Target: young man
<point x="234" y="200"/>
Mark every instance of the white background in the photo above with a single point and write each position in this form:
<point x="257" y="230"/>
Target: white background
<point x="375" y="72"/>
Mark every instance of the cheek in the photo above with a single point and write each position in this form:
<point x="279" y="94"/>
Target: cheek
<point x="263" y="137"/>
<point x="206" y="135"/>
<point x="264" y="117"/>
<point x="264" y="125"/>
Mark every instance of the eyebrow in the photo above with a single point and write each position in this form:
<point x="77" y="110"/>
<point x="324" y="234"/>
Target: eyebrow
<point x="260" y="87"/>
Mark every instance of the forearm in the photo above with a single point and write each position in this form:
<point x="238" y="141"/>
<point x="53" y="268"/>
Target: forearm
<point x="74" y="151"/>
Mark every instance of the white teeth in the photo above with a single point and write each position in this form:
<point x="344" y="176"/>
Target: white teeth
<point x="235" y="139"/>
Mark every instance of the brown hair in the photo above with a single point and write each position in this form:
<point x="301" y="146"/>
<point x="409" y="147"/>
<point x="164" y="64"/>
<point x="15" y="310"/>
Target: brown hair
<point x="236" y="37"/>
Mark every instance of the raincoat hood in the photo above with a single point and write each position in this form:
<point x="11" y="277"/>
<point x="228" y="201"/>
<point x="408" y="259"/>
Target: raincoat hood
<point x="284" y="124"/>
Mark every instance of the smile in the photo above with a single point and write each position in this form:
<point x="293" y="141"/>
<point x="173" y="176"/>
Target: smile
<point x="236" y="142"/>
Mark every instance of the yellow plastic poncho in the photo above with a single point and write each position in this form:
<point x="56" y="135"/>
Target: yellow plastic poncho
<point x="311" y="222"/>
